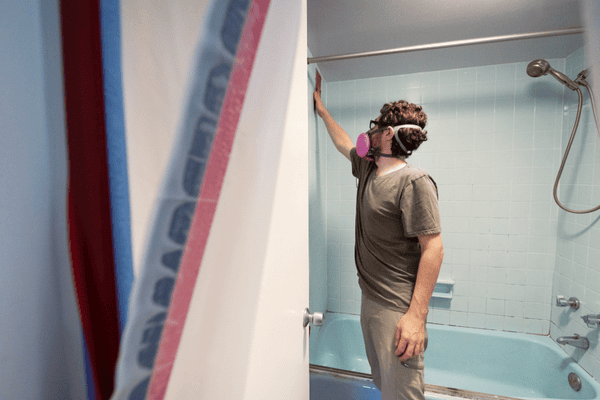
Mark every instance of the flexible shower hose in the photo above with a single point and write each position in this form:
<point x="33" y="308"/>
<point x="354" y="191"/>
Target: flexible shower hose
<point x="564" y="160"/>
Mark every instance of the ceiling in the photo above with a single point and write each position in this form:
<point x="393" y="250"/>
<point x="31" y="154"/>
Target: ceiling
<point x="355" y="26"/>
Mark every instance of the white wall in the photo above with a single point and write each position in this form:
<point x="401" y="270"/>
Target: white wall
<point x="40" y="346"/>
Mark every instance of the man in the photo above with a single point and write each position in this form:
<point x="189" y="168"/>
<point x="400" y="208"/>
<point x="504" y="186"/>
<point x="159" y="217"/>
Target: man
<point x="398" y="245"/>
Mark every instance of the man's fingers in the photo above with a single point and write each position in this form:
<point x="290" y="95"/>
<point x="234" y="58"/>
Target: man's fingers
<point x="408" y="353"/>
<point x="410" y="350"/>
<point x="418" y="349"/>
<point x="401" y="347"/>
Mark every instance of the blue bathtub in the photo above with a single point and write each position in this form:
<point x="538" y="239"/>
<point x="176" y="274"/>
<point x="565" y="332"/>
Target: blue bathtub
<point x="475" y="361"/>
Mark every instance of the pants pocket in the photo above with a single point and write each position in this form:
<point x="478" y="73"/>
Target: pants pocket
<point x="415" y="363"/>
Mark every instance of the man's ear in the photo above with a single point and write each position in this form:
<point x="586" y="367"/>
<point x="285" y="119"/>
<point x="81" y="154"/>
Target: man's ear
<point x="389" y="132"/>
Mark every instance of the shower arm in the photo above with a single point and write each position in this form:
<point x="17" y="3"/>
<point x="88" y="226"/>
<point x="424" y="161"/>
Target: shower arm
<point x="564" y="160"/>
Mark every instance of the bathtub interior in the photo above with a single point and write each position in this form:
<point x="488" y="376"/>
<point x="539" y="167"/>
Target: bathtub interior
<point x="331" y="387"/>
<point x="509" y="364"/>
<point x="499" y="363"/>
<point x="339" y="344"/>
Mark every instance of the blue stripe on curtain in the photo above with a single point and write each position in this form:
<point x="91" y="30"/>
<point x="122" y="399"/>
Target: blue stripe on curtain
<point x="89" y="375"/>
<point x="117" y="154"/>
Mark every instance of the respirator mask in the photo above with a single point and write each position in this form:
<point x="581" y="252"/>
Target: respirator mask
<point x="366" y="151"/>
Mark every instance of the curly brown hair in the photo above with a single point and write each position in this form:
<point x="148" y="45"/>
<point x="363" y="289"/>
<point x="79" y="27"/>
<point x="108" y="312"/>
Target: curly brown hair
<point x="399" y="113"/>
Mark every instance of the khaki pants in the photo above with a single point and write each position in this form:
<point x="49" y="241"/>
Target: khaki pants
<point x="396" y="380"/>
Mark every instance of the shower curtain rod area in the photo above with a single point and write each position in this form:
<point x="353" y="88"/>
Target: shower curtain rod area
<point x="455" y="43"/>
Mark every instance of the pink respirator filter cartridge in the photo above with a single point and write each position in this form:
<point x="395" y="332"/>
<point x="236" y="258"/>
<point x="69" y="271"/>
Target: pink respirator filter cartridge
<point x="362" y="146"/>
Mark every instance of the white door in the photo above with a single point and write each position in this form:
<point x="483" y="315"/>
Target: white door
<point x="243" y="337"/>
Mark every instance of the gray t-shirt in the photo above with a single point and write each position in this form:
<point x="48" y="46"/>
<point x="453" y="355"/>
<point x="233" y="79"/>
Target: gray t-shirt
<point x="391" y="211"/>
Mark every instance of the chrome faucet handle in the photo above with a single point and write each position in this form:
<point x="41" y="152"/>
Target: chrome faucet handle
<point x="591" y="320"/>
<point x="573" y="302"/>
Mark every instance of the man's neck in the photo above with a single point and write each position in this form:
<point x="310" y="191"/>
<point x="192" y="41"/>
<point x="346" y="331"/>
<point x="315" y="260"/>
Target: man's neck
<point x="386" y="165"/>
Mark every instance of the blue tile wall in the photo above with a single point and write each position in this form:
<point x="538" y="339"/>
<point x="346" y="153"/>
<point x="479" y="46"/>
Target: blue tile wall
<point x="577" y="271"/>
<point x="496" y="140"/>
<point x="495" y="135"/>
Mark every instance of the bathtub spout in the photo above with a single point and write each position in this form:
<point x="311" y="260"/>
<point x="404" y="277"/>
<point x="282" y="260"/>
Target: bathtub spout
<point x="576" y="341"/>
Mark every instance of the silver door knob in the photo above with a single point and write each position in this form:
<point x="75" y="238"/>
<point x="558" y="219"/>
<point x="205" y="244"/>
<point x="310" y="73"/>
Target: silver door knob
<point x="316" y="318"/>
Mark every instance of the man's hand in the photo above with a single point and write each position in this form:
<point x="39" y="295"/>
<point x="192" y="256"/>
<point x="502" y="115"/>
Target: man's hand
<point x="320" y="108"/>
<point x="410" y="336"/>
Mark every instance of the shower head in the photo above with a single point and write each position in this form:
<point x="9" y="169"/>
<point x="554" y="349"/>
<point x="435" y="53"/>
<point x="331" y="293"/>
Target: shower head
<point x="538" y="68"/>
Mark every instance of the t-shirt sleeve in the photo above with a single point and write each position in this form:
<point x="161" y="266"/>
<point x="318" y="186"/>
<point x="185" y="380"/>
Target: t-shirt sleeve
<point x="359" y="165"/>
<point x="420" y="208"/>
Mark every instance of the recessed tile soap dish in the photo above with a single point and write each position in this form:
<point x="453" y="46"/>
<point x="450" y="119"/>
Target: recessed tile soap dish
<point x="443" y="288"/>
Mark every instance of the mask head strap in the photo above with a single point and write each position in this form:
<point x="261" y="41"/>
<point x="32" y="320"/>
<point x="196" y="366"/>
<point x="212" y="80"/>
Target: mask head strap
<point x="397" y="128"/>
